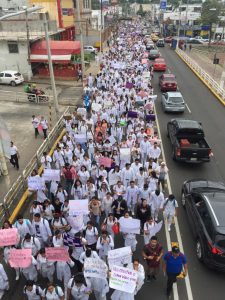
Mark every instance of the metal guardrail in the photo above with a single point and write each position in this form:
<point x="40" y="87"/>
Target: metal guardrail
<point x="24" y="97"/>
<point x="208" y="80"/>
<point x="19" y="187"/>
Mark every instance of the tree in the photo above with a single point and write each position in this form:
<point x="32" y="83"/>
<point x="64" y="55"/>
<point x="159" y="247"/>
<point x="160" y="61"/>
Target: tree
<point x="141" y="11"/>
<point x="175" y="3"/>
<point x="210" y="14"/>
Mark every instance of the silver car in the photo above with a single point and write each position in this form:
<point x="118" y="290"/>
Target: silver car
<point x="173" y="102"/>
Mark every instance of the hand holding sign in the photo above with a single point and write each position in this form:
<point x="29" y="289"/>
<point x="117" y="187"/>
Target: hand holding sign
<point x="8" y="237"/>
<point x="20" y="258"/>
<point x="57" y="254"/>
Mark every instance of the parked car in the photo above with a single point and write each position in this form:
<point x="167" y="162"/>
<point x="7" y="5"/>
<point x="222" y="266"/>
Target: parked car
<point x="90" y="49"/>
<point x="188" y="141"/>
<point x="204" y="202"/>
<point x="195" y="41"/>
<point x="167" y="82"/>
<point x="159" y="64"/>
<point x="155" y="38"/>
<point x="154" y="54"/>
<point x="12" y="78"/>
<point x="173" y="102"/>
<point x="150" y="46"/>
<point x="160" y="43"/>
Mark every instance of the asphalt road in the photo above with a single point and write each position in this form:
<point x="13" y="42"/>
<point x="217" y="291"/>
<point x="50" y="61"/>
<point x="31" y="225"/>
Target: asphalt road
<point x="204" y="107"/>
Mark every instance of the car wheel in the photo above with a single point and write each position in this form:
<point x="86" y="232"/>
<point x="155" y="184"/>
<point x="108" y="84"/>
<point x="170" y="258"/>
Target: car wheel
<point x="174" y="155"/>
<point x="12" y="83"/>
<point x="183" y="199"/>
<point x="199" y="250"/>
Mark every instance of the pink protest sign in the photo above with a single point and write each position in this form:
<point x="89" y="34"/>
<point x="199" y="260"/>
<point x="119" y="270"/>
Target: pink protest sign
<point x="57" y="254"/>
<point x="8" y="237"/>
<point x="105" y="161"/>
<point x="20" y="258"/>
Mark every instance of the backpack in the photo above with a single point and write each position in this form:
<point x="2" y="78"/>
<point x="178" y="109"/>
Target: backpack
<point x="167" y="203"/>
<point x="26" y="222"/>
<point x="32" y="240"/>
<point x="94" y="230"/>
<point x="36" y="290"/>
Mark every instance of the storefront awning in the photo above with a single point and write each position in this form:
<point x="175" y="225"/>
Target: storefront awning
<point x="61" y="51"/>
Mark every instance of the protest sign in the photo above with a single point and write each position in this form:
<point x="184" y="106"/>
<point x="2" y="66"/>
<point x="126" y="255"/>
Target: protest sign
<point x="105" y="161"/>
<point x="78" y="207"/>
<point x="123" y="279"/>
<point x="80" y="138"/>
<point x="8" y="237"/>
<point x="129" y="225"/>
<point x="146" y="74"/>
<point x="120" y="256"/>
<point x="112" y="140"/>
<point x="156" y="228"/>
<point x="35" y="183"/>
<point x="57" y="254"/>
<point x="81" y="111"/>
<point x="50" y="174"/>
<point x="94" y="267"/>
<point x="96" y="107"/>
<point x="20" y="258"/>
<point x="125" y="154"/>
<point x="76" y="222"/>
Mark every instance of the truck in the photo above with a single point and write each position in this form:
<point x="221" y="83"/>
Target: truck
<point x="188" y="141"/>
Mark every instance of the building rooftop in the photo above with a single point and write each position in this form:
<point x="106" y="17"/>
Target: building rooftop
<point x="22" y="36"/>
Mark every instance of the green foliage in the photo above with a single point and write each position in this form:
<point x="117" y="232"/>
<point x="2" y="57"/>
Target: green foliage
<point x="95" y="4"/>
<point x="208" y="17"/>
<point x="175" y="3"/>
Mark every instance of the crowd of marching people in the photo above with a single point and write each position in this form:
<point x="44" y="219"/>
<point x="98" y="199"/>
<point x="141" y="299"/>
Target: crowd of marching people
<point x="109" y="156"/>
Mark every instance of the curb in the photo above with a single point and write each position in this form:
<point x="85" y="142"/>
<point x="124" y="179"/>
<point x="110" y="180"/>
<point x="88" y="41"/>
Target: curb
<point x="207" y="85"/>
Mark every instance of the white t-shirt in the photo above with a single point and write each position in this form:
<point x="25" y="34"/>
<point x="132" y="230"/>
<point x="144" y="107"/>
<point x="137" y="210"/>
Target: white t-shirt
<point x="54" y="295"/>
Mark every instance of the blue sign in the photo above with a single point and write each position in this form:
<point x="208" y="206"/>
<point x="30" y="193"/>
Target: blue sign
<point x="205" y="27"/>
<point x="163" y="4"/>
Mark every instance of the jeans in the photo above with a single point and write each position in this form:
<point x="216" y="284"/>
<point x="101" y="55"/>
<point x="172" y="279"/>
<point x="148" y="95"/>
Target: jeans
<point x="68" y="185"/>
<point x="171" y="279"/>
<point x="14" y="161"/>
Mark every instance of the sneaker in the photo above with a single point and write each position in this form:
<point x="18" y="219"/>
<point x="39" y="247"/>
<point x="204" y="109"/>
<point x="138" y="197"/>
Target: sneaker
<point x="17" y="277"/>
<point x="148" y="279"/>
<point x="169" y="229"/>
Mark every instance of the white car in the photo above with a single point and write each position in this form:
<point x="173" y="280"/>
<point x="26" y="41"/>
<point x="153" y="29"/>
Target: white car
<point x="90" y="49"/>
<point x="12" y="78"/>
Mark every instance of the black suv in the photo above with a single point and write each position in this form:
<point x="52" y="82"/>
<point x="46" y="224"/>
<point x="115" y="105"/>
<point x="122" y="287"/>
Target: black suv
<point x="205" y="206"/>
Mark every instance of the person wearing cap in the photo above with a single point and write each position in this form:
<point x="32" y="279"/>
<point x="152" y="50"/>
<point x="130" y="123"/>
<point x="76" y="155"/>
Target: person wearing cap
<point x="169" y="207"/>
<point x="162" y="172"/>
<point x="174" y="262"/>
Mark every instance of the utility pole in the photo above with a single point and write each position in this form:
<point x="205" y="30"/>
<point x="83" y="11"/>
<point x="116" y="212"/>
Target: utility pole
<point x="81" y="37"/>
<point x="52" y="77"/>
<point x="178" y="29"/>
<point x="101" y="48"/>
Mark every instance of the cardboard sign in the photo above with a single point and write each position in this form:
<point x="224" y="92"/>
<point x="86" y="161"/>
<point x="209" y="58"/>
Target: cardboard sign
<point x="125" y="154"/>
<point x="129" y="225"/>
<point x="105" y="161"/>
<point x="156" y="228"/>
<point x="120" y="256"/>
<point x="94" y="267"/>
<point x="8" y="237"/>
<point x="57" y="254"/>
<point x="76" y="222"/>
<point x="123" y="279"/>
<point x="50" y="174"/>
<point x="96" y="107"/>
<point x="35" y="183"/>
<point x="78" y="207"/>
<point x="20" y="258"/>
<point x="80" y="138"/>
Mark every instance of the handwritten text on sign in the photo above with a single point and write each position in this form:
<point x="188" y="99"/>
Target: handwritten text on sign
<point x="123" y="279"/>
<point x="120" y="256"/>
<point x="78" y="207"/>
<point x="130" y="225"/>
<point x="20" y="258"/>
<point x="50" y="174"/>
<point x="8" y="237"/>
<point x="94" y="267"/>
<point x="57" y="254"/>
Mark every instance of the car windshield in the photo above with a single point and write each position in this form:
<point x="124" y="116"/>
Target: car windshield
<point x="169" y="78"/>
<point x="153" y="52"/>
<point x="17" y="74"/>
<point x="176" y="99"/>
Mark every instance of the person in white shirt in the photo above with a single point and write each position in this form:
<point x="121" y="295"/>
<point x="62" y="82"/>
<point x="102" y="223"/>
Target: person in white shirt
<point x="41" y="229"/>
<point x="30" y="272"/>
<point x="141" y="177"/>
<point x="14" y="159"/>
<point x="144" y="148"/>
<point x="52" y="292"/>
<point x="157" y="198"/>
<point x="77" y="289"/>
<point x="155" y="152"/>
<point x="46" y="161"/>
<point x="91" y="235"/>
<point x="136" y="165"/>
<point x="88" y="254"/>
<point x="35" y="123"/>
<point x="105" y="243"/>
<point x="4" y="282"/>
<point x="131" y="196"/>
<point x="32" y="291"/>
<point x="169" y="207"/>
<point x="30" y="242"/>
<point x="63" y="272"/>
<point x="44" y="124"/>
<point x="45" y="267"/>
<point x="129" y="238"/>
<point x="127" y="175"/>
<point x="23" y="226"/>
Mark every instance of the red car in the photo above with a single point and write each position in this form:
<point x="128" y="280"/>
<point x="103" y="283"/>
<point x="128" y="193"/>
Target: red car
<point x="159" y="64"/>
<point x="167" y="82"/>
<point x="168" y="39"/>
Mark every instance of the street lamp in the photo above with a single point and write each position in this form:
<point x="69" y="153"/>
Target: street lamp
<point x="52" y="77"/>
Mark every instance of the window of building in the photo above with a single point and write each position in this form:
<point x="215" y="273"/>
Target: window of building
<point x="13" y="47"/>
<point x="86" y="4"/>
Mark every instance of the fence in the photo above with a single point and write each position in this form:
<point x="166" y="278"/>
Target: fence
<point x="204" y="76"/>
<point x="18" y="193"/>
<point x="24" y="97"/>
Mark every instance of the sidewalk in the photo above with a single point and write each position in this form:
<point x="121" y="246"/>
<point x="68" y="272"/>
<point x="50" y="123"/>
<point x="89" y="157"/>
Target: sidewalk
<point x="205" y="61"/>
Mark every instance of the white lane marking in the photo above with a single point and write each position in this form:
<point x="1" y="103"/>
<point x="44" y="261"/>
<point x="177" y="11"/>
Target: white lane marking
<point x="177" y="228"/>
<point x="188" y="108"/>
